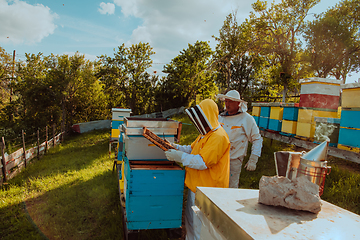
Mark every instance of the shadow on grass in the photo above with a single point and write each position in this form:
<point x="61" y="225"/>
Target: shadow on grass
<point x="79" y="209"/>
<point x="73" y="155"/>
<point x="82" y="202"/>
<point x="16" y="224"/>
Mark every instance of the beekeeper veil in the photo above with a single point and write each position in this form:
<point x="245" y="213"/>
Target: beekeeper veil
<point x="204" y="116"/>
<point x="234" y="95"/>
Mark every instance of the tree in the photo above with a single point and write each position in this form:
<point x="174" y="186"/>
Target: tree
<point x="58" y="90"/>
<point x="276" y="30"/>
<point x="333" y="41"/>
<point x="5" y="87"/>
<point x="189" y="79"/>
<point x="5" y="76"/>
<point x="230" y="46"/>
<point x="125" y="77"/>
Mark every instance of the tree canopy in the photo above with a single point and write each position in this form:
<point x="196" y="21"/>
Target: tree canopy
<point x="262" y="57"/>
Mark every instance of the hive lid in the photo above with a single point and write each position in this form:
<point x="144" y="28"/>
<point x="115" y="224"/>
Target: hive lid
<point x="260" y="104"/>
<point x="317" y="79"/>
<point x="350" y="85"/>
<point x="318" y="153"/>
<point x="121" y="110"/>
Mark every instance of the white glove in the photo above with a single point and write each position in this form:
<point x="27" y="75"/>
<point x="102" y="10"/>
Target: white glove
<point x="251" y="164"/>
<point x="176" y="146"/>
<point x="174" y="155"/>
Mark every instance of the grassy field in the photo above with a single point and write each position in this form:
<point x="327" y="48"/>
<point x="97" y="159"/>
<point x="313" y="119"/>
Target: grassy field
<point x="72" y="192"/>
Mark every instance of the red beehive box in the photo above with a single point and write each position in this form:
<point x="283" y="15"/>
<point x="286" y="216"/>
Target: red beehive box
<point x="319" y="93"/>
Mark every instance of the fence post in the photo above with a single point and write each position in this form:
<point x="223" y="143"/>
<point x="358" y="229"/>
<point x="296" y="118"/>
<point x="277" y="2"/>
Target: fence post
<point x="46" y="140"/>
<point x="24" y="150"/>
<point x="38" y="143"/>
<point x="53" y="135"/>
<point x="3" y="162"/>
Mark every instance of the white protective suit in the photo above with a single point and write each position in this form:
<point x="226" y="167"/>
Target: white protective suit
<point x="241" y="129"/>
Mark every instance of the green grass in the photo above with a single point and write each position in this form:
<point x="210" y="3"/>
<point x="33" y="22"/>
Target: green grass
<point x="72" y="193"/>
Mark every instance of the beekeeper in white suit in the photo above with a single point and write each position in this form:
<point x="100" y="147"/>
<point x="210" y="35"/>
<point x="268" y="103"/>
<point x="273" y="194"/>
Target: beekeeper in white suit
<point x="241" y="128"/>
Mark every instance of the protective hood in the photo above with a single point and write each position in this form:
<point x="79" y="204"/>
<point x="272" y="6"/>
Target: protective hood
<point x="204" y="116"/>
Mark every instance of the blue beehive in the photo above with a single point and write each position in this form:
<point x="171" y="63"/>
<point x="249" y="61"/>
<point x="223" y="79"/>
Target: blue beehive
<point x="265" y="111"/>
<point x="275" y="125"/>
<point x="264" y="122"/>
<point x="152" y="186"/>
<point x="350" y="118"/>
<point x="349" y="137"/>
<point x="290" y="111"/>
<point x="154" y="194"/>
<point x="350" y="128"/>
<point x="256" y="120"/>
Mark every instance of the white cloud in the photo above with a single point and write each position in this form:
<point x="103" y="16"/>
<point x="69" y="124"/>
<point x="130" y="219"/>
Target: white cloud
<point x="107" y="8"/>
<point x="169" y="26"/>
<point x="21" y="22"/>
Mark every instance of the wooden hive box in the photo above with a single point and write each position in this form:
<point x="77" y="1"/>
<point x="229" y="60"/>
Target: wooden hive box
<point x="288" y="127"/>
<point x="118" y="115"/>
<point x="349" y="137"/>
<point x="256" y="111"/>
<point x="256" y="120"/>
<point x="307" y="115"/>
<point x="290" y="111"/>
<point x="275" y="125"/>
<point x="319" y="93"/>
<point x="350" y="118"/>
<point x="263" y="122"/>
<point x="153" y="194"/>
<point x="305" y="130"/>
<point x="349" y="129"/>
<point x="350" y="97"/>
<point x="276" y="111"/>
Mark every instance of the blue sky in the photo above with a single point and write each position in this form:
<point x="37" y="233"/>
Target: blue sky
<point x="95" y="28"/>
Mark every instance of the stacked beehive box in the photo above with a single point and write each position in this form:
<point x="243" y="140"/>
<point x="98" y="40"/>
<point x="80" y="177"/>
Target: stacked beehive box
<point x="276" y="115"/>
<point x="152" y="185"/>
<point x="289" y="118"/>
<point x="256" y="108"/>
<point x="118" y="115"/>
<point x="264" y="116"/>
<point x="350" y="115"/>
<point x="319" y="97"/>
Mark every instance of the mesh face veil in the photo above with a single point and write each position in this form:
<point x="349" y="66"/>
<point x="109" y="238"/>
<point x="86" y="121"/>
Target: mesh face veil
<point x="198" y="117"/>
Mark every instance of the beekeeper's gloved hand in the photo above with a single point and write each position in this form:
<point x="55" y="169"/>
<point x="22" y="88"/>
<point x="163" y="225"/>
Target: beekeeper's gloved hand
<point x="182" y="148"/>
<point x="187" y="160"/>
<point x="251" y="164"/>
<point x="174" y="155"/>
<point x="176" y="146"/>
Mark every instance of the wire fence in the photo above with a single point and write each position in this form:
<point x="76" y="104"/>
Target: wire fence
<point x="17" y="152"/>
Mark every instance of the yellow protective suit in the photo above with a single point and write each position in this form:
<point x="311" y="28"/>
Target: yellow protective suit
<point x="214" y="148"/>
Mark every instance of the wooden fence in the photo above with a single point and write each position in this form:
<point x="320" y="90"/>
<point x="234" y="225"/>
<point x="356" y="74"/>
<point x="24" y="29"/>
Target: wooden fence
<point x="12" y="164"/>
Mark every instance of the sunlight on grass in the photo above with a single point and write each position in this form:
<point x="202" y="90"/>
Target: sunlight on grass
<point x="72" y="193"/>
<point x="70" y="187"/>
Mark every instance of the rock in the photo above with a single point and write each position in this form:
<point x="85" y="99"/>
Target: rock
<point x="299" y="194"/>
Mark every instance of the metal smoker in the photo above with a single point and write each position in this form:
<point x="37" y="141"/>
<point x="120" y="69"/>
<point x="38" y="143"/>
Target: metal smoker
<point x="313" y="165"/>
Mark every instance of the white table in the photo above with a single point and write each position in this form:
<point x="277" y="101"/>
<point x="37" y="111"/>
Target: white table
<point x="228" y="213"/>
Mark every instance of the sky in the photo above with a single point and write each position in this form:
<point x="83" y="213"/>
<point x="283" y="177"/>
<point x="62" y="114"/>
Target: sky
<point x="95" y="27"/>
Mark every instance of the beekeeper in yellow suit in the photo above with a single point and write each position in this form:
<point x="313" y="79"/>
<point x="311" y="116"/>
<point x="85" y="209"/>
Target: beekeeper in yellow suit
<point x="206" y="160"/>
<point x="241" y="128"/>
